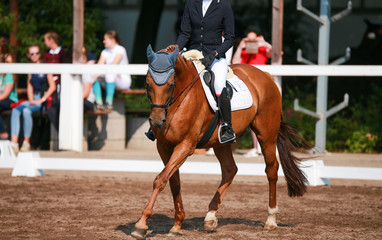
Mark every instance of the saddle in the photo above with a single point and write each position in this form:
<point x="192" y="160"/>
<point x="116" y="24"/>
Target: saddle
<point x="238" y="92"/>
<point x="209" y="79"/>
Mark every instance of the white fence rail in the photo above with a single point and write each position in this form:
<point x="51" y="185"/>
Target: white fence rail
<point x="71" y="94"/>
<point x="141" y="69"/>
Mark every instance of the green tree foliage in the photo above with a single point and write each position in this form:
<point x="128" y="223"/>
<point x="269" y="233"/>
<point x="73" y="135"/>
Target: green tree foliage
<point x="356" y="128"/>
<point x="36" y="17"/>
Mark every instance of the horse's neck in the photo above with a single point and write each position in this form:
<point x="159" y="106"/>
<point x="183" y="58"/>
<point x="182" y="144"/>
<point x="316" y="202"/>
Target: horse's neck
<point x="188" y="85"/>
<point x="185" y="73"/>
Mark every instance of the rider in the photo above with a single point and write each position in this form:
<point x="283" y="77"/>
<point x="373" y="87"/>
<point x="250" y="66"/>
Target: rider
<point x="203" y="24"/>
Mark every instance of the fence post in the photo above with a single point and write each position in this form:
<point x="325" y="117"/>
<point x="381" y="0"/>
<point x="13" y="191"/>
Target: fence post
<point x="71" y="113"/>
<point x="323" y="59"/>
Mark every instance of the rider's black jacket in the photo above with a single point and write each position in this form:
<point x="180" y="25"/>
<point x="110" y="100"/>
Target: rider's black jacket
<point x="205" y="33"/>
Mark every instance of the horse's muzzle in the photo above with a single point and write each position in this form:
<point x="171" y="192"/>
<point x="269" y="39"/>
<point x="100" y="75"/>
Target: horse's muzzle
<point x="157" y="123"/>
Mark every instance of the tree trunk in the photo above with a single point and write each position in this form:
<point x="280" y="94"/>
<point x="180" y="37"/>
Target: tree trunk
<point x="14" y="9"/>
<point x="147" y="28"/>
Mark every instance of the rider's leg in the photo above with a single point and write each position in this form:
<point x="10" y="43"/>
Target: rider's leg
<point x="220" y="67"/>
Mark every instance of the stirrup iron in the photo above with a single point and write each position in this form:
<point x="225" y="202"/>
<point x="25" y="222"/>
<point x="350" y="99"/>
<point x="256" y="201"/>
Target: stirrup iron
<point x="219" y="134"/>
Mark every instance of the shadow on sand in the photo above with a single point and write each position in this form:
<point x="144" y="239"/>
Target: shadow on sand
<point x="161" y="224"/>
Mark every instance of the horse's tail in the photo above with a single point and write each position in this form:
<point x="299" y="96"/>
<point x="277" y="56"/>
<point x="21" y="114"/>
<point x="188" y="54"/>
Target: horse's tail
<point x="288" y="139"/>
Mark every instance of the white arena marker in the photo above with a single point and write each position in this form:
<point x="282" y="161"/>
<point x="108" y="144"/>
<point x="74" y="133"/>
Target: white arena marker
<point x="27" y="165"/>
<point x="313" y="170"/>
<point x="7" y="155"/>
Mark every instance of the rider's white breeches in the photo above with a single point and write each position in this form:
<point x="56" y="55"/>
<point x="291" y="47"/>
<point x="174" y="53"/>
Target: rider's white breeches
<point x="220" y="69"/>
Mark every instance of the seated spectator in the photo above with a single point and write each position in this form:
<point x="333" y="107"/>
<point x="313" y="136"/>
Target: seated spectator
<point x="112" y="54"/>
<point x="54" y="54"/>
<point x="87" y="81"/>
<point x="36" y="97"/>
<point x="8" y="96"/>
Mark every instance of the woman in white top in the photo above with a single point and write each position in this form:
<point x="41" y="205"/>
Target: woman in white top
<point x="112" y="54"/>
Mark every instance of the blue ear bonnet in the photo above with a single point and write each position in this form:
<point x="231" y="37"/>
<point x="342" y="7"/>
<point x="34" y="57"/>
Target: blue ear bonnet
<point x="161" y="65"/>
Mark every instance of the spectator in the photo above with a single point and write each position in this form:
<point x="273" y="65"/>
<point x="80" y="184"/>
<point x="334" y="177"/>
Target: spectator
<point x="54" y="54"/>
<point x="87" y="80"/>
<point x="112" y="54"/>
<point x="8" y="96"/>
<point x="5" y="54"/>
<point x="254" y="50"/>
<point x="260" y="50"/>
<point x="36" y="97"/>
<point x="7" y="85"/>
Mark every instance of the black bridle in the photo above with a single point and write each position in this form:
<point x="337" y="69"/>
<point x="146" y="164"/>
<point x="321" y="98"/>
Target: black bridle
<point x="171" y="100"/>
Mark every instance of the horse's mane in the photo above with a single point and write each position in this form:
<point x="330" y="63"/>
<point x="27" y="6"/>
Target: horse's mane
<point x="194" y="54"/>
<point x="169" y="49"/>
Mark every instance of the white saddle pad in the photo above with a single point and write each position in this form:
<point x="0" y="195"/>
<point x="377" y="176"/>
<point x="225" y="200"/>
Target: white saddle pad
<point x="241" y="98"/>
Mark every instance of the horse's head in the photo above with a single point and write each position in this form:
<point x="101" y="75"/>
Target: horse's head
<point x="372" y="39"/>
<point x="160" y="83"/>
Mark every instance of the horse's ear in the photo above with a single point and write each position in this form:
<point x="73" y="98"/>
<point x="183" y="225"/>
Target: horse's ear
<point x="150" y="53"/>
<point x="368" y="23"/>
<point x="174" y="55"/>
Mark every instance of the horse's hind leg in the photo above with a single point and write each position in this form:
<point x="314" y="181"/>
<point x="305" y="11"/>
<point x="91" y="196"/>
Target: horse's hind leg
<point x="229" y="170"/>
<point x="266" y="127"/>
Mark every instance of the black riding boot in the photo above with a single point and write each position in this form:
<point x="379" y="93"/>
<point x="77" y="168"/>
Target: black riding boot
<point x="150" y="135"/>
<point x="224" y="105"/>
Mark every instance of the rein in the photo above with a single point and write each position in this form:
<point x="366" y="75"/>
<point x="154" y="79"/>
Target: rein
<point x="191" y="83"/>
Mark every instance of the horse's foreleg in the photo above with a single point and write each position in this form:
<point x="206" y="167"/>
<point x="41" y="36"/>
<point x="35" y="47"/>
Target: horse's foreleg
<point x="178" y="204"/>
<point x="229" y="170"/>
<point x="177" y="159"/>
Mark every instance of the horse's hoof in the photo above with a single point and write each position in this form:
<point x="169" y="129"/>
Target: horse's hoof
<point x="210" y="225"/>
<point x="139" y="233"/>
<point x="270" y="226"/>
<point x="174" y="234"/>
<point x="175" y="231"/>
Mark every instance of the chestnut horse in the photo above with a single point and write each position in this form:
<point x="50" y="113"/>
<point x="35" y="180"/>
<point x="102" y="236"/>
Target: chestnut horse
<point x="180" y="115"/>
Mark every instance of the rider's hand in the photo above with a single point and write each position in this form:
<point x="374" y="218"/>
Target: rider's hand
<point x="209" y="59"/>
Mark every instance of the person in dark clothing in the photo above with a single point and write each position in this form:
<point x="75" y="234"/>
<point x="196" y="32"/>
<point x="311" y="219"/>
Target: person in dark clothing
<point x="204" y="22"/>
